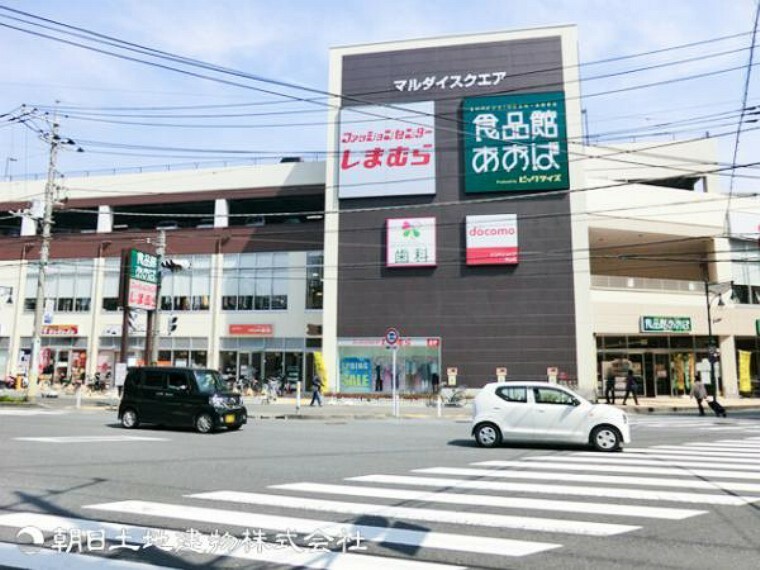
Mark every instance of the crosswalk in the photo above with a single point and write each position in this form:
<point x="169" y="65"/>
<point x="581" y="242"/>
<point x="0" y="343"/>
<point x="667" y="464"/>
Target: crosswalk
<point x="707" y="425"/>
<point x="430" y="518"/>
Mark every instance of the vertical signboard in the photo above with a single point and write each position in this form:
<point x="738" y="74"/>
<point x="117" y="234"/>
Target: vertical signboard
<point x="411" y="242"/>
<point x="141" y="280"/>
<point x="515" y="143"/>
<point x="492" y="240"/>
<point x="387" y="151"/>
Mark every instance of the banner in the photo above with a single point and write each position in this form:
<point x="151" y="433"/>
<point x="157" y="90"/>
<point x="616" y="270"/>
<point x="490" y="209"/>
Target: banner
<point x="355" y="374"/>
<point x="745" y="380"/>
<point x="411" y="242"/>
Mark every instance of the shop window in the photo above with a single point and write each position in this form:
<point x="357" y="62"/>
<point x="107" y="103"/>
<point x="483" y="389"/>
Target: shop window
<point x="111" y="304"/>
<point x="67" y="283"/>
<point x="190" y="288"/>
<point x="314" y="279"/>
<point x="614" y="342"/>
<point x="229" y="303"/>
<point x="65" y="305"/>
<point x="255" y="282"/>
<point x="30" y="304"/>
<point x="82" y="305"/>
<point x="755" y="295"/>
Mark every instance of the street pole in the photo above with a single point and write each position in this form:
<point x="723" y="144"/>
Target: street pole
<point x="394" y="392"/>
<point x="154" y="331"/>
<point x="47" y="222"/>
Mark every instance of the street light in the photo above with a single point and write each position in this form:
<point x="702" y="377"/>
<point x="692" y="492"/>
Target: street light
<point x="716" y="290"/>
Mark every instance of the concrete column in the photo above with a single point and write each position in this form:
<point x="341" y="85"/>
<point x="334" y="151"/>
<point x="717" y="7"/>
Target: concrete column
<point x="18" y="311"/>
<point x="216" y="309"/>
<point x="728" y="370"/>
<point x="221" y="213"/>
<point x="105" y="219"/>
<point x="95" y="322"/>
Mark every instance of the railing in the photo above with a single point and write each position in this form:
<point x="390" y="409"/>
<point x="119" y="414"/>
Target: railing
<point x="647" y="284"/>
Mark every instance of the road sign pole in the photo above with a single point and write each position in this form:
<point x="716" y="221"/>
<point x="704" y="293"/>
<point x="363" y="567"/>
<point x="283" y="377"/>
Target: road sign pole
<point x="394" y="396"/>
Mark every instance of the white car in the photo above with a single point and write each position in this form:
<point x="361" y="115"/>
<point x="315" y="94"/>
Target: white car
<point x="537" y="411"/>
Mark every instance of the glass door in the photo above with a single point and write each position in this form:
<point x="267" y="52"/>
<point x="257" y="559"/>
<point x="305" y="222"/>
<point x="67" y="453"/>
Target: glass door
<point x="662" y="374"/>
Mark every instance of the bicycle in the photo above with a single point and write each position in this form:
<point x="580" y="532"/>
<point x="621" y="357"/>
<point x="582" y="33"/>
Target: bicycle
<point x="452" y="397"/>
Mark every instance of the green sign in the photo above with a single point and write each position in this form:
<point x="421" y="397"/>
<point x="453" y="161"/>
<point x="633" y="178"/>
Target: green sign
<point x="515" y="143"/>
<point x="665" y="324"/>
<point x="757" y="326"/>
<point x="143" y="266"/>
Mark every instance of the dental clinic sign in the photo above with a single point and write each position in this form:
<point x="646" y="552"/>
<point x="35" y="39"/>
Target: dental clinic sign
<point x="515" y="143"/>
<point x="665" y="324"/>
<point x="411" y="242"/>
<point x="492" y="240"/>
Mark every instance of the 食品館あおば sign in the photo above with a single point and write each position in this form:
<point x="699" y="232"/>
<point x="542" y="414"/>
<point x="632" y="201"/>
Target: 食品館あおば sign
<point x="666" y="324"/>
<point x="355" y="374"/>
<point x="387" y="151"/>
<point x="143" y="280"/>
<point x="515" y="143"/>
<point x="411" y="242"/>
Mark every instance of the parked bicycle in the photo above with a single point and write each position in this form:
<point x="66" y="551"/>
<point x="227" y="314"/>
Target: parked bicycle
<point x="449" y="396"/>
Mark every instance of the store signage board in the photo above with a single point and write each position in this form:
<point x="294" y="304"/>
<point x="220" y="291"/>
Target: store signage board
<point x="411" y="242"/>
<point x="60" y="330"/>
<point x="251" y="330"/>
<point x="142" y="274"/>
<point x="665" y="324"/>
<point x="387" y="151"/>
<point x="492" y="240"/>
<point x="379" y="342"/>
<point x="515" y="143"/>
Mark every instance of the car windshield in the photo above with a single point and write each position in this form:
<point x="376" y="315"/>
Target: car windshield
<point x="209" y="381"/>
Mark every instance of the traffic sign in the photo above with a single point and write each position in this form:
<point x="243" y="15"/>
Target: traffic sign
<point x="391" y="336"/>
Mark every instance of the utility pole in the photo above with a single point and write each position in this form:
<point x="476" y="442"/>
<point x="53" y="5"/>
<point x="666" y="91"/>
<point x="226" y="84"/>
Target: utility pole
<point x="153" y="329"/>
<point x="47" y="222"/>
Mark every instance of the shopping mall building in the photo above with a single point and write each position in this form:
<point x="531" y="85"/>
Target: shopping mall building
<point x="458" y="205"/>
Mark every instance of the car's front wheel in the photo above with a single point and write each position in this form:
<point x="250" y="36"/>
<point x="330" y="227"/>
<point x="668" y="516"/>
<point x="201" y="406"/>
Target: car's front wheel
<point x="487" y="435"/>
<point x="204" y="423"/>
<point x="606" y="438"/>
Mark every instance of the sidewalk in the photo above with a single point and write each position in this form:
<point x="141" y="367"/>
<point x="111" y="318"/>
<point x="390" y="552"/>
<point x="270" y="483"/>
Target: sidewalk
<point x="352" y="409"/>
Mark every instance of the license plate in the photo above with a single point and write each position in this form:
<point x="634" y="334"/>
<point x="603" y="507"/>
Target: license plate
<point x="229" y="419"/>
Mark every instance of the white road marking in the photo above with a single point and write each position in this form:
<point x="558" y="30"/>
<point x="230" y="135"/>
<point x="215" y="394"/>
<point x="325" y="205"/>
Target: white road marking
<point x="706" y="458"/>
<point x="744" y="450"/>
<point x="674" y="449"/>
<point x="558" y="464"/>
<point x="270" y="554"/>
<point x="589" y="478"/>
<point x="494" y="501"/>
<point x="9" y="412"/>
<point x="421" y="539"/>
<point x="44" y="559"/>
<point x="428" y="515"/>
<point x="91" y="439"/>
<point x="634" y="461"/>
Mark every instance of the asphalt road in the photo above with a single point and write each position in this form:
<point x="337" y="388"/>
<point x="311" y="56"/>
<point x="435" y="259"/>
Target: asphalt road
<point x="560" y="507"/>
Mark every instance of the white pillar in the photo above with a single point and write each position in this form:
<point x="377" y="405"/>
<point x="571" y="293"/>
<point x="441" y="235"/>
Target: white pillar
<point x="221" y="213"/>
<point x="105" y="219"/>
<point x="29" y="223"/>
<point x="216" y="309"/>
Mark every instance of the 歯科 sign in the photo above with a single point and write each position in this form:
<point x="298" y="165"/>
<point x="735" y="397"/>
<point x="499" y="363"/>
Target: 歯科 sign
<point x="411" y="242"/>
<point x="387" y="151"/>
<point x="515" y="143"/>
<point x="665" y="324"/>
<point x="491" y="240"/>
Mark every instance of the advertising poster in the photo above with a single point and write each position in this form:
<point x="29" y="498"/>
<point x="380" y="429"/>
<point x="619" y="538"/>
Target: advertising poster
<point x="355" y="374"/>
<point x="387" y="151"/>
<point x="745" y="380"/>
<point x="515" y="143"/>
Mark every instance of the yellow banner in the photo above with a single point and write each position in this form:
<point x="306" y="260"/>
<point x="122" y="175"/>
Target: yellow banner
<point x="745" y="383"/>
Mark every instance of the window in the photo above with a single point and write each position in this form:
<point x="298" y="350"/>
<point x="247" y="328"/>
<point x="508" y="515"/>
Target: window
<point x="552" y="396"/>
<point x="153" y="379"/>
<point x="188" y="289"/>
<point x="314" y="277"/>
<point x="177" y="380"/>
<point x="513" y="394"/>
<point x="111" y="284"/>
<point x="68" y="285"/>
<point x="255" y="282"/>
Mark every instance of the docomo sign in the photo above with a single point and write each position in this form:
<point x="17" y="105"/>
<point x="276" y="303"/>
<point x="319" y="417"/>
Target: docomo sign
<point x="492" y="240"/>
<point x="251" y="330"/>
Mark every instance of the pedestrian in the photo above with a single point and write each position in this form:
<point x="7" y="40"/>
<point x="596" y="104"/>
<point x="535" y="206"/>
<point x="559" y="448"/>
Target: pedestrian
<point x="699" y="393"/>
<point x="630" y="388"/>
<point x="609" y="389"/>
<point x="316" y="386"/>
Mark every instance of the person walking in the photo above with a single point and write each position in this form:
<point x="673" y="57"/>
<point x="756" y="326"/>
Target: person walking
<point x="630" y="388"/>
<point x="316" y="386"/>
<point x="699" y="393"/>
<point x="609" y="389"/>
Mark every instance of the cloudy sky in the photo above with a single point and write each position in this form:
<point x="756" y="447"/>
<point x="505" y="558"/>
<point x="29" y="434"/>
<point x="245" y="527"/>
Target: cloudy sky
<point x="692" y="84"/>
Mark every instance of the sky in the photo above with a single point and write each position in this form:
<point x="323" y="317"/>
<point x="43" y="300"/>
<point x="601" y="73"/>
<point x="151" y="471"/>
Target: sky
<point x="629" y="93"/>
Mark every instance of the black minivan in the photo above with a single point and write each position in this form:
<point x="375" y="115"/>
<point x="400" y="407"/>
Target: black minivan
<point x="183" y="397"/>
